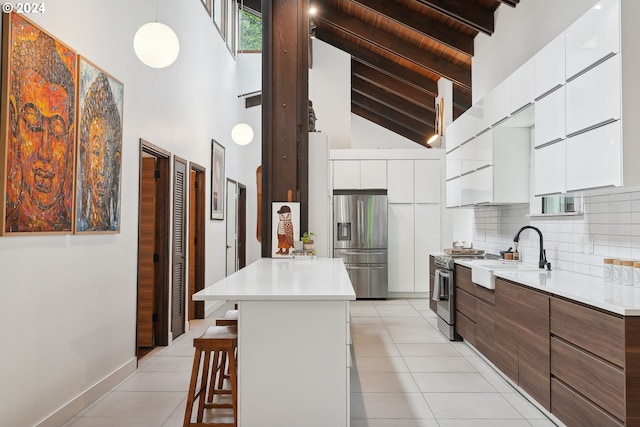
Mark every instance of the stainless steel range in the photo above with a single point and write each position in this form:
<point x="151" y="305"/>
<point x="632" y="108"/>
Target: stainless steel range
<point x="444" y="291"/>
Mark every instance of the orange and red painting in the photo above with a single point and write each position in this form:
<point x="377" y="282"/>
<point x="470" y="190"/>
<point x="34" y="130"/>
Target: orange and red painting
<point x="37" y="144"/>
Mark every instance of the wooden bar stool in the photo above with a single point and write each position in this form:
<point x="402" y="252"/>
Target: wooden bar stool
<point x="214" y="348"/>
<point x="230" y="318"/>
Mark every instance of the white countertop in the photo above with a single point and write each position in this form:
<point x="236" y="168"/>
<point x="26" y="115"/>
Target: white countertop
<point x="577" y="287"/>
<point x="284" y="279"/>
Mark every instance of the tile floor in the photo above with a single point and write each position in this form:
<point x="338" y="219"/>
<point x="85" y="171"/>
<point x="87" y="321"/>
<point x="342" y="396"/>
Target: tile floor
<point x="405" y="374"/>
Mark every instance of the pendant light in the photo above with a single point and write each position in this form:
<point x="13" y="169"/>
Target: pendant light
<point x="156" y="44"/>
<point x="242" y="134"/>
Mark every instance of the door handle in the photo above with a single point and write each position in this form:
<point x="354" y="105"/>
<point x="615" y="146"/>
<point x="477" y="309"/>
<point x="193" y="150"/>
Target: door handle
<point x="229" y="246"/>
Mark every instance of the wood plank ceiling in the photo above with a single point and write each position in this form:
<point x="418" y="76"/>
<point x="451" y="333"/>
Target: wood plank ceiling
<point x="399" y="50"/>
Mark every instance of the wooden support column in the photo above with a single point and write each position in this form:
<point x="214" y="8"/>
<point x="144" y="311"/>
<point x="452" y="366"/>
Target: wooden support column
<point x="285" y="110"/>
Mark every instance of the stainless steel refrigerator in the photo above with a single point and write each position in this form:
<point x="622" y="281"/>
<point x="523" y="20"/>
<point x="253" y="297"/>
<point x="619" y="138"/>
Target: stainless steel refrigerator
<point x="360" y="238"/>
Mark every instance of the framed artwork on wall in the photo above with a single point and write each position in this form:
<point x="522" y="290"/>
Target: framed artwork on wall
<point x="207" y="6"/>
<point x="217" y="180"/>
<point x="38" y="122"/>
<point x="100" y="103"/>
<point x="285" y="226"/>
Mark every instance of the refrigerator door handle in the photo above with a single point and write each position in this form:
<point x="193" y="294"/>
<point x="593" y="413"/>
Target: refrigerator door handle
<point x="362" y="253"/>
<point x="360" y="209"/>
<point x="364" y="267"/>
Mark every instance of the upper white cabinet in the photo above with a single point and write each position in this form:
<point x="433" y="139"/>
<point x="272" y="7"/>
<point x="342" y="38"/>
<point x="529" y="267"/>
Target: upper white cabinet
<point x="550" y="117"/>
<point x="502" y="172"/>
<point x="373" y="174"/>
<point x="594" y="158"/>
<point x="550" y="169"/>
<point x="497" y="104"/>
<point x="593" y="37"/>
<point x="593" y="98"/>
<point x="346" y="174"/>
<point x="427" y="181"/>
<point x="521" y="87"/>
<point x="549" y="67"/>
<point x="400" y="181"/>
<point x="359" y="174"/>
<point x="461" y="130"/>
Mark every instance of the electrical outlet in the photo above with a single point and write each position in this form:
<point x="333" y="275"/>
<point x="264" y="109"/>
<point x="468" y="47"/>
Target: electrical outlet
<point x="587" y="245"/>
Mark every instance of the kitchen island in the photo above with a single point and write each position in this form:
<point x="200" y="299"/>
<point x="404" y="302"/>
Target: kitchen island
<point x="293" y="341"/>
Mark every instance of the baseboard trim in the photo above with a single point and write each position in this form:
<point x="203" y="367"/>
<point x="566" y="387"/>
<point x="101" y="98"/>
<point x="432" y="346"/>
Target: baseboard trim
<point x="82" y="401"/>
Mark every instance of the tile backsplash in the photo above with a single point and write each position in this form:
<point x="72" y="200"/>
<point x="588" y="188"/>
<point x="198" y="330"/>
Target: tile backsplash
<point x="608" y="227"/>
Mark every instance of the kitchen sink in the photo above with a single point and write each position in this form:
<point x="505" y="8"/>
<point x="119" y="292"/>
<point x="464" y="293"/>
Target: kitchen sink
<point x="482" y="270"/>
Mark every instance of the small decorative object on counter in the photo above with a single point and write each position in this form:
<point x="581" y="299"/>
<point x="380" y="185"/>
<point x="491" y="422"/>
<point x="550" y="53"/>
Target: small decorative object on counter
<point x="607" y="274"/>
<point x="516" y="254"/>
<point x="627" y="282"/>
<point x="617" y="281"/>
<point x="307" y="240"/>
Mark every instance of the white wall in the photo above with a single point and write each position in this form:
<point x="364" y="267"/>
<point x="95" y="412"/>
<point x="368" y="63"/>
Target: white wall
<point x="69" y="302"/>
<point x="330" y="92"/>
<point x="520" y="32"/>
<point x="366" y="134"/>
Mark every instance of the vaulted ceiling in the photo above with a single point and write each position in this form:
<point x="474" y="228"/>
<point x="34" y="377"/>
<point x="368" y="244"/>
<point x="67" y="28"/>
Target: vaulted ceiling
<point x="400" y="49"/>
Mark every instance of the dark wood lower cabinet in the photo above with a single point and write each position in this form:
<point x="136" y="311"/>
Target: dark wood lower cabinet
<point x="576" y="411"/>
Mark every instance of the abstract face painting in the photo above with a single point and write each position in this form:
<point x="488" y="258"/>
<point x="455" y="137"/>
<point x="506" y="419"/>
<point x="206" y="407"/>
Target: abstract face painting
<point x="39" y="125"/>
<point x="99" y="151"/>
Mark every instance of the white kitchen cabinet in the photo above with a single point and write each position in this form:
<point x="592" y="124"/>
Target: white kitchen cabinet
<point x="453" y="193"/>
<point x="373" y="174"/>
<point x="427" y="232"/>
<point x="468" y="156"/>
<point x="400" y="181"/>
<point x="521" y="87"/>
<point x="484" y="149"/>
<point x="346" y="174"/>
<point x="401" y="247"/>
<point x="461" y="130"/>
<point x="453" y="162"/>
<point x="427" y="181"/>
<point x="498" y="102"/>
<point x="550" y="169"/>
<point x="503" y="176"/>
<point x="549" y="67"/>
<point x="594" y="158"/>
<point x="359" y="174"/>
<point x="594" y="97"/>
<point x="550" y="117"/>
<point x="593" y="37"/>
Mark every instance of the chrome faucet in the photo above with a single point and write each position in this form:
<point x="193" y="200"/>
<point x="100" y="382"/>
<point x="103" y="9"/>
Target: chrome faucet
<point x="543" y="254"/>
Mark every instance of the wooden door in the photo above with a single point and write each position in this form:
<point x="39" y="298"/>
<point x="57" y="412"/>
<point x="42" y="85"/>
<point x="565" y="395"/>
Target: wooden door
<point x="179" y="247"/>
<point x="242" y="226"/>
<point x="232" y="231"/>
<point x="147" y="249"/>
<point x="196" y="239"/>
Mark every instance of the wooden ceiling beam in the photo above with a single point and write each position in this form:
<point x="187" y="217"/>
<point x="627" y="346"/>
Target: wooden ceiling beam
<point x="391" y="126"/>
<point x="392" y="84"/>
<point x="461" y="99"/>
<point x="424" y="25"/>
<point x="366" y="56"/>
<point x="390" y="113"/>
<point x="466" y="12"/>
<point x="392" y="44"/>
<point x="408" y="108"/>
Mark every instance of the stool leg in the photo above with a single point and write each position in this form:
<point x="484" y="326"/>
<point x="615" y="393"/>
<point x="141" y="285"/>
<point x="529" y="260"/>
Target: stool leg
<point x="204" y="382"/>
<point x="234" y="385"/>
<point x="223" y="369"/>
<point x="212" y="381"/>
<point x="192" y="389"/>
